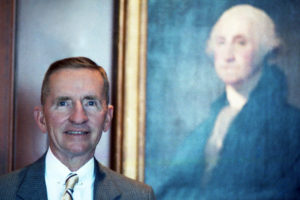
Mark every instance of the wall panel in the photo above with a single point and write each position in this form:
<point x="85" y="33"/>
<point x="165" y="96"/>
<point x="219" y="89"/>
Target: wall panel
<point x="6" y="83"/>
<point x="47" y="31"/>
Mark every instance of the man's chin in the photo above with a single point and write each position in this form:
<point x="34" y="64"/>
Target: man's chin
<point x="79" y="150"/>
<point x="232" y="82"/>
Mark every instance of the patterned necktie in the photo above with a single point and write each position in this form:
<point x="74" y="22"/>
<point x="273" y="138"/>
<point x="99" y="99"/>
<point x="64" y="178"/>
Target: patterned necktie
<point x="71" y="181"/>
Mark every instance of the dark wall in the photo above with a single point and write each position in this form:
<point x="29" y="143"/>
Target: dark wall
<point x="181" y="83"/>
<point x="6" y="84"/>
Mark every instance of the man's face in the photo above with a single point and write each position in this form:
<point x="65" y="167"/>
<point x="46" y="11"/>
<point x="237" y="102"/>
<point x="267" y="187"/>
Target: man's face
<point x="75" y="112"/>
<point x="236" y="56"/>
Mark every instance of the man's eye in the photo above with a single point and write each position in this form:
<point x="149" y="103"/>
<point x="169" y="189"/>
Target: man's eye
<point x="62" y="103"/>
<point x="220" y="42"/>
<point x="91" y="103"/>
<point x="242" y="42"/>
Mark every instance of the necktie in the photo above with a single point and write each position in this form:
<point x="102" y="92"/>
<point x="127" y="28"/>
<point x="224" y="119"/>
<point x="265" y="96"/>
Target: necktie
<point x="71" y="181"/>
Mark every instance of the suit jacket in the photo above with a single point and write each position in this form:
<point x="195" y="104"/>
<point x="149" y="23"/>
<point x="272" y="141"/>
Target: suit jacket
<point x="29" y="184"/>
<point x="260" y="158"/>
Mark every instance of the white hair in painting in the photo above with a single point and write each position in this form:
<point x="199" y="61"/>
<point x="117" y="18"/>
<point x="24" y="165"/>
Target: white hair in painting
<point x="262" y="26"/>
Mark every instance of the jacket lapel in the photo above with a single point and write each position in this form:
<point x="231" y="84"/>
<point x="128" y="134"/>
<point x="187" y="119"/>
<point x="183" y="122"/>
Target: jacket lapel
<point x="104" y="186"/>
<point x="33" y="185"/>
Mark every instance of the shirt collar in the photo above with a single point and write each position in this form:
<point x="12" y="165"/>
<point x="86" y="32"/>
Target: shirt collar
<point x="238" y="97"/>
<point x="58" y="171"/>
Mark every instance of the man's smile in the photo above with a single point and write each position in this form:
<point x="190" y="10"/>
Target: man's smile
<point x="72" y="132"/>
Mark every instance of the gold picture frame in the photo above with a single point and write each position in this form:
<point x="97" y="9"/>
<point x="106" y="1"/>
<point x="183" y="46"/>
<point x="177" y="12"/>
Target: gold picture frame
<point x="131" y="88"/>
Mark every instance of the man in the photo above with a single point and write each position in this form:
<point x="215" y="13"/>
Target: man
<point x="249" y="146"/>
<point x="74" y="113"/>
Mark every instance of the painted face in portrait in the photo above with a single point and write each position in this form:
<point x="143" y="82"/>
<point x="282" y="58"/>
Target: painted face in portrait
<point x="236" y="55"/>
<point x="75" y="112"/>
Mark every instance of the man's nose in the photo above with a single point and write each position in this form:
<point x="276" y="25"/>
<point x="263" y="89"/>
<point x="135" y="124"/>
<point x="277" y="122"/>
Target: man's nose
<point x="78" y="115"/>
<point x="229" y="54"/>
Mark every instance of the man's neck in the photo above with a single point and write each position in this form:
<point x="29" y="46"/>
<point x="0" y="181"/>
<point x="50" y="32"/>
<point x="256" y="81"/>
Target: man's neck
<point x="56" y="173"/>
<point x="73" y="162"/>
<point x="238" y="95"/>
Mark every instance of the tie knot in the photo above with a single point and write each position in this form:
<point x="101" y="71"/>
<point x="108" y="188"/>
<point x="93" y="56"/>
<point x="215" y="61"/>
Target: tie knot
<point x="71" y="181"/>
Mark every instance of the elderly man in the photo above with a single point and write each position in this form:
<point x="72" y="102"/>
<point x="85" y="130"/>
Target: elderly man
<point x="249" y="147"/>
<point x="74" y="113"/>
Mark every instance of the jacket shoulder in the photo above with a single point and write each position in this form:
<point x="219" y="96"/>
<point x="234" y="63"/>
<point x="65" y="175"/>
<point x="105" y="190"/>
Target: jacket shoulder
<point x="129" y="188"/>
<point x="9" y="184"/>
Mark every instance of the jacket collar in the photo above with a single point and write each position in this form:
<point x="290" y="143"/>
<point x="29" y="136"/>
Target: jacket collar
<point x="33" y="185"/>
<point x="104" y="185"/>
<point x="271" y="88"/>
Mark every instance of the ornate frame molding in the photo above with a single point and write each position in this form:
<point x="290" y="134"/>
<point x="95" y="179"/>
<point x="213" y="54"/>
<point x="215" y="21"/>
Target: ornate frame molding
<point x="131" y="88"/>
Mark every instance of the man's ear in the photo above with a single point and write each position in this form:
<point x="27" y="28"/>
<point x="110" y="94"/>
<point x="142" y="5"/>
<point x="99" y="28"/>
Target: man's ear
<point x="40" y="118"/>
<point x="108" y="119"/>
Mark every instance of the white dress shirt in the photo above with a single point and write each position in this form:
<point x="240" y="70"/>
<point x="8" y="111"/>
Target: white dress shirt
<point x="56" y="174"/>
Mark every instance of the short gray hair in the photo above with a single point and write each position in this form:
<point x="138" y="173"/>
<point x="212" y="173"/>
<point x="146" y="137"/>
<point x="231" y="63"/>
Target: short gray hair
<point x="73" y="63"/>
<point x="264" y="28"/>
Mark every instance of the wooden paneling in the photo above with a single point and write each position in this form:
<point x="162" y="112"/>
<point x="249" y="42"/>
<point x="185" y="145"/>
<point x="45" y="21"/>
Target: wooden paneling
<point x="7" y="13"/>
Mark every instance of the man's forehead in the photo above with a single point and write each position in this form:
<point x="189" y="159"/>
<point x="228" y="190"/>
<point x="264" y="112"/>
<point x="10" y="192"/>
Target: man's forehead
<point x="234" y="26"/>
<point x="75" y="70"/>
<point x="75" y="75"/>
<point x="68" y="80"/>
<point x="83" y="97"/>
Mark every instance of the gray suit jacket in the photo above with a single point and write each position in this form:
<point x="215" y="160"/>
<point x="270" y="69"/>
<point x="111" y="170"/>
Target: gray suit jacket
<point x="29" y="184"/>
